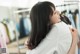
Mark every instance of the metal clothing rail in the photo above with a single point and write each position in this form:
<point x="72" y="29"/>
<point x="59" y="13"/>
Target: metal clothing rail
<point x="72" y="1"/>
<point x="66" y="4"/>
<point x="19" y="11"/>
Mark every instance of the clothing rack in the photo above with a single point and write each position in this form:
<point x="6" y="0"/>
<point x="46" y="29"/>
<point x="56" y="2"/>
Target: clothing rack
<point x="72" y="1"/>
<point x="19" y="11"/>
<point x="66" y="4"/>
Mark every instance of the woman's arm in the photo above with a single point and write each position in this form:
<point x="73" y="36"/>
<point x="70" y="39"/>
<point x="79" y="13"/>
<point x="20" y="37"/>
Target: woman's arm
<point x="74" y="41"/>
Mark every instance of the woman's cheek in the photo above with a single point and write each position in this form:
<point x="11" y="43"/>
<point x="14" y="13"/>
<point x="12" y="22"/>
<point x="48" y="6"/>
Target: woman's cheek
<point x="55" y="19"/>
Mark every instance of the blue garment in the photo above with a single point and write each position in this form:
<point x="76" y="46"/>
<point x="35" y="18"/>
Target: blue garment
<point x="22" y="29"/>
<point x="27" y="25"/>
<point x="71" y="19"/>
<point x="79" y="51"/>
<point x="18" y="27"/>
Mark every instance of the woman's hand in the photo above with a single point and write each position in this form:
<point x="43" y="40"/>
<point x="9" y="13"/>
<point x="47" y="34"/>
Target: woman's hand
<point x="74" y="35"/>
<point x="74" y="41"/>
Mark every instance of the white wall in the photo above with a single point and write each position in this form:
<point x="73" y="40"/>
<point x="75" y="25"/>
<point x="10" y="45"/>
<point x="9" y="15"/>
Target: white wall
<point x="72" y="7"/>
<point x="4" y="12"/>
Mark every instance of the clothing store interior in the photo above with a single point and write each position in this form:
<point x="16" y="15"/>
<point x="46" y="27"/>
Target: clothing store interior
<point x="15" y="24"/>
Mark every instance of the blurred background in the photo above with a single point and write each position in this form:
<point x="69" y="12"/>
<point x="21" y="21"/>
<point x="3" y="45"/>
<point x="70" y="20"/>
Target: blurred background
<point x="15" y="21"/>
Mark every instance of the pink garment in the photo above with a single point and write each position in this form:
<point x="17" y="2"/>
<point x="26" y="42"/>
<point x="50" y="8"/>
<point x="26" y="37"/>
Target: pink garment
<point x="3" y="38"/>
<point x="4" y="32"/>
<point x="0" y="45"/>
<point x="2" y="41"/>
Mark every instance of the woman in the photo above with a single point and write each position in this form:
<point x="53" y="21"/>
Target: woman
<point x="49" y="34"/>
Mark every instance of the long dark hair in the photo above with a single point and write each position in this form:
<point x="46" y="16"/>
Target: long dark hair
<point x="40" y="19"/>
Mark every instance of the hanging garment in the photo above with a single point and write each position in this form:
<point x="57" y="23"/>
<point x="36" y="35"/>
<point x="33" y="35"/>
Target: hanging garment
<point x="3" y="39"/>
<point x="57" y="41"/>
<point x="4" y="32"/>
<point x="22" y="28"/>
<point x="78" y="23"/>
<point x="18" y="27"/>
<point x="70" y="16"/>
<point x="25" y="27"/>
<point x="7" y="30"/>
<point x="16" y="30"/>
<point x="12" y="32"/>
<point x="3" y="44"/>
